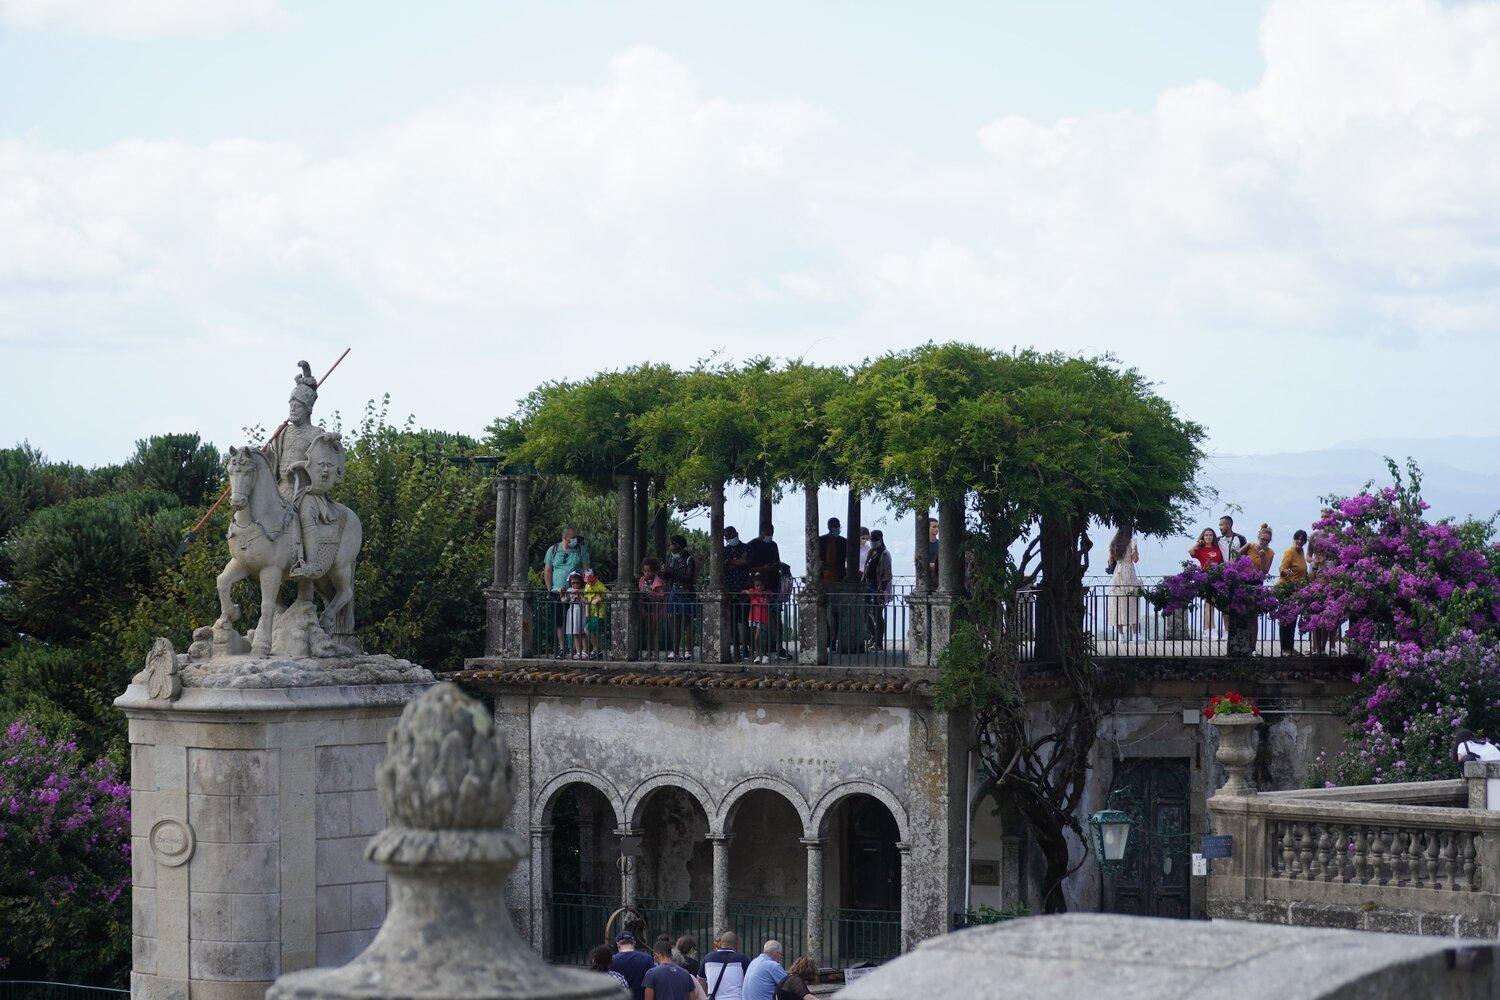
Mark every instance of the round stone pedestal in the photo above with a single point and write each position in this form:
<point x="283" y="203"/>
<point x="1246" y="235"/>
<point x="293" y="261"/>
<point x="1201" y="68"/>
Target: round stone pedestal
<point x="250" y="811"/>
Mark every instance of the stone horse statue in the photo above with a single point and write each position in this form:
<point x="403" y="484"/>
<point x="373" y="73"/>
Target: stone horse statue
<point x="264" y="543"/>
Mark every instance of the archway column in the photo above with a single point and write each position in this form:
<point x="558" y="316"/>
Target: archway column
<point x="630" y="873"/>
<point x="624" y="618"/>
<point x="814" y="942"/>
<point x="908" y="940"/>
<point x="541" y="889"/>
<point x="720" y="842"/>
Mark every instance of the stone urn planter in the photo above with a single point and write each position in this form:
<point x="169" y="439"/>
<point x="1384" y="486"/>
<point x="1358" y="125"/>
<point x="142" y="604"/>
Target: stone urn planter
<point x="1237" y="739"/>
<point x="1241" y="635"/>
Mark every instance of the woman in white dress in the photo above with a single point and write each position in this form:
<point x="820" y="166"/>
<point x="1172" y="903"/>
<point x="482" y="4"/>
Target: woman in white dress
<point x="1125" y="585"/>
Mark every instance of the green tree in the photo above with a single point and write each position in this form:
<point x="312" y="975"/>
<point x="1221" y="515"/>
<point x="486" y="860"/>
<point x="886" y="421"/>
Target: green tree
<point x="180" y="464"/>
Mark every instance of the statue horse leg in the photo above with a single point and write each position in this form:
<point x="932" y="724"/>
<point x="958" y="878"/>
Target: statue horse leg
<point x="270" y="584"/>
<point x="234" y="572"/>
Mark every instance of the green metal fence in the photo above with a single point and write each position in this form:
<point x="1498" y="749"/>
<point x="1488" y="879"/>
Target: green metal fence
<point x="862" y="936"/>
<point x="33" y="989"/>
<point x="678" y="917"/>
<point x="578" y="921"/>
<point x="757" y="923"/>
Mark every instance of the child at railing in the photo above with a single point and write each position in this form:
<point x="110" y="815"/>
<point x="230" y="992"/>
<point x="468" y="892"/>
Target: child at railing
<point x="572" y="598"/>
<point x="653" y="588"/>
<point x="595" y="596"/>
<point x="760" y="618"/>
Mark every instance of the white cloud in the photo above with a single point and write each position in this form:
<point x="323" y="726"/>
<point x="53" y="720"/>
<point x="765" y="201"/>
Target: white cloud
<point x="138" y="18"/>
<point x="1350" y="198"/>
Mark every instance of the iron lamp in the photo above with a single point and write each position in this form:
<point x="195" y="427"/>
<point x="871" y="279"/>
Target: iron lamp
<point x="1110" y="830"/>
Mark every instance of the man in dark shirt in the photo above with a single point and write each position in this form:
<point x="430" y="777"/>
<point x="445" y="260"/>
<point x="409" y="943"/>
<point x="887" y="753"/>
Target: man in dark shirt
<point x="631" y="964"/>
<point x="764" y="556"/>
<point x="736" y="582"/>
<point x="834" y="549"/>
<point x="668" y="980"/>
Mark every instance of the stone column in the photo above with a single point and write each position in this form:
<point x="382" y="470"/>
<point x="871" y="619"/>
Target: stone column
<point x="521" y="543"/>
<point x="624" y="618"/>
<point x="642" y="524"/>
<point x="814" y="943"/>
<point x="541" y="889"/>
<point x="921" y="522"/>
<point x="251" y="808"/>
<point x="950" y="550"/>
<point x="909" y="937"/>
<point x="851" y="532"/>
<point x="1483" y="777"/>
<point x="503" y="541"/>
<point x="630" y="874"/>
<point x="496" y="604"/>
<point x="812" y="623"/>
<point x="717" y="634"/>
<point x="720" y="843"/>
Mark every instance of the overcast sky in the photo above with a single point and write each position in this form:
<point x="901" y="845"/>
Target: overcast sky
<point x="1286" y="214"/>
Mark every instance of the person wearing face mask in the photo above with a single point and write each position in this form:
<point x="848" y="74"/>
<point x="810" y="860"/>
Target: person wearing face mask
<point x="877" y="588"/>
<point x="835" y="549"/>
<point x="763" y="554"/>
<point x="562" y="559"/>
<point x="736" y="579"/>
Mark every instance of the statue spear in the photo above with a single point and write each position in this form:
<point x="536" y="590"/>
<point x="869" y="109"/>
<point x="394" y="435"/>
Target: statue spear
<point x="192" y="533"/>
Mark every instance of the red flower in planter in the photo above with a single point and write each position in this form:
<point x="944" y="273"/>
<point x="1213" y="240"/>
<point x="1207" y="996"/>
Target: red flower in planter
<point x="1229" y="703"/>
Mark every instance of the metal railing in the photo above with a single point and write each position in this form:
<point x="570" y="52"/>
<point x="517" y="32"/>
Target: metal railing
<point x="1122" y="622"/>
<point x="676" y="918"/>
<point x="862" y="936"/>
<point x="867" y="629"/>
<point x="36" y="989"/>
<point x="757" y="923"/>
<point x="578" y="921"/>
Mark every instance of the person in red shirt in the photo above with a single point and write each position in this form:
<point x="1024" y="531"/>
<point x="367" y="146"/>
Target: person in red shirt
<point x="1208" y="553"/>
<point x="760" y="618"/>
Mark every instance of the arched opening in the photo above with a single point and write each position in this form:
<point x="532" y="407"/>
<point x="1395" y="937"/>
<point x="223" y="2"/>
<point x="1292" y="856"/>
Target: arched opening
<point x="767" y="873"/>
<point x="996" y="885"/>
<point x="676" y="867"/>
<point x="585" y="879"/>
<point x="862" y="881"/>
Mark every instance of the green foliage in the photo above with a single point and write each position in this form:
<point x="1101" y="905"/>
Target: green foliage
<point x="179" y="464"/>
<point x="71" y="687"/>
<point x="586" y="429"/>
<point x="77" y="562"/>
<point x="428" y="537"/>
<point x="966" y="676"/>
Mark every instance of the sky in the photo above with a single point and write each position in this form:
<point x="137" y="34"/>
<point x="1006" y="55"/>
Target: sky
<point x="1285" y="214"/>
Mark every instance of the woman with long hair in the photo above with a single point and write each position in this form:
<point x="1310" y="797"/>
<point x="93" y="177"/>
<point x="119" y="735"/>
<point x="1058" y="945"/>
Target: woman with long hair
<point x="799" y="980"/>
<point x="1124" y="584"/>
<point x="1207" y="552"/>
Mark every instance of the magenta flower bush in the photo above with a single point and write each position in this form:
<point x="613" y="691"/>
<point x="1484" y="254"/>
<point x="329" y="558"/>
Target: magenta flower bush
<point x="1236" y="588"/>
<point x="64" y="861"/>
<point x="1419" y="602"/>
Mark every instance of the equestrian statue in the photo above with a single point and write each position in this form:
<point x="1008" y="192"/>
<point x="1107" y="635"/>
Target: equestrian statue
<point x="285" y="527"/>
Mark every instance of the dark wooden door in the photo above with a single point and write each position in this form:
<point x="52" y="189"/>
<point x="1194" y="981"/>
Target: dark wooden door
<point x="874" y="864"/>
<point x="1156" y="875"/>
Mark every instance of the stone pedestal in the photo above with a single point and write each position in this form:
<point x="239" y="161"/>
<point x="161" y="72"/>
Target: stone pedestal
<point x="928" y="628"/>
<point x="1237" y="739"/>
<point x="1483" y="777"/>
<point x="718" y="634"/>
<point x="509" y="614"/>
<point x="812" y="626"/>
<point x="251" y="807"/>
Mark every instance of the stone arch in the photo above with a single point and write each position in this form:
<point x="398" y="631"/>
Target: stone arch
<point x="842" y="791"/>
<point x="547" y="797"/>
<point x="719" y="824"/>
<point x="668" y="779"/>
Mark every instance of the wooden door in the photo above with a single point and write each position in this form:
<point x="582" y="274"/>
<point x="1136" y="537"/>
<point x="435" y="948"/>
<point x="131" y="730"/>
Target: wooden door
<point x="1155" y="878"/>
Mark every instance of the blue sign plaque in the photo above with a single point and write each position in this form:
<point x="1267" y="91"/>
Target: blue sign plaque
<point x="1217" y="847"/>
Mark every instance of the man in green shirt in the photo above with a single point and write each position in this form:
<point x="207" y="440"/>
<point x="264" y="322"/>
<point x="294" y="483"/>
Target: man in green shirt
<point x="562" y="558"/>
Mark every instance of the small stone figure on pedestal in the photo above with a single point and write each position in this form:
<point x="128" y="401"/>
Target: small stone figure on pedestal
<point x="446" y="786"/>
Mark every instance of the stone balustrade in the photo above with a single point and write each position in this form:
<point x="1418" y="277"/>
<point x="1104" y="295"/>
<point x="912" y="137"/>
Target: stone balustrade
<point x="1410" y="858"/>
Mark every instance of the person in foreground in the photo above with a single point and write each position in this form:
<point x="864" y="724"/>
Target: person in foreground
<point x="632" y="965"/>
<point x="668" y="980"/>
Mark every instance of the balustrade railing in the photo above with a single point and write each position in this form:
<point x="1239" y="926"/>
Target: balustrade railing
<point x="1364" y="854"/>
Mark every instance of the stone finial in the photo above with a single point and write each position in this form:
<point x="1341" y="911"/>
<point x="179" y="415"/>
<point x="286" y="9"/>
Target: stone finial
<point x="446" y="786"/>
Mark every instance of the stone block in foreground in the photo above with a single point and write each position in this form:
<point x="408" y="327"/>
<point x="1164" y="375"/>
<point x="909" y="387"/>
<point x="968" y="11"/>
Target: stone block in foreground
<point x="1121" y="957"/>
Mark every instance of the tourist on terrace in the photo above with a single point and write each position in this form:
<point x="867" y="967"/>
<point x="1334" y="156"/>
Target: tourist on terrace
<point x="596" y="596"/>
<point x="1124" y="584"/>
<point x="736" y="579"/>
<point x="632" y="965"/>
<point x="653" y="588"/>
<point x="1208" y="553"/>
<point x="1231" y="544"/>
<point x="932" y="554"/>
<point x="759" y="596"/>
<point x="600" y="960"/>
<point x="833" y="550"/>
<point x="569" y="555"/>
<point x="763" y="554"/>
<point x="877" y="578"/>
<point x="765" y="973"/>
<point x="786" y="593"/>
<point x="864" y="549"/>
<point x="799" y="980"/>
<point x="1259" y="552"/>
<point x="1293" y="572"/>
<point x="724" y="968"/>
<point x="681" y="572"/>
<point x="573" y="601"/>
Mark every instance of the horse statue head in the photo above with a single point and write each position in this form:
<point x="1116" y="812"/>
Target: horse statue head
<point x="246" y="466"/>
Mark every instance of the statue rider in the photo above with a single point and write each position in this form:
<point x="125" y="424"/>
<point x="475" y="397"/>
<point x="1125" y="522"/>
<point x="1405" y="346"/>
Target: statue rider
<point x="291" y="459"/>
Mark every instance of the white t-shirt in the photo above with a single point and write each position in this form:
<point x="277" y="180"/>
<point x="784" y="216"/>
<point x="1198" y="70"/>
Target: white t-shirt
<point x="733" y="964"/>
<point x="864" y="554"/>
<point x="1479" y="751"/>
